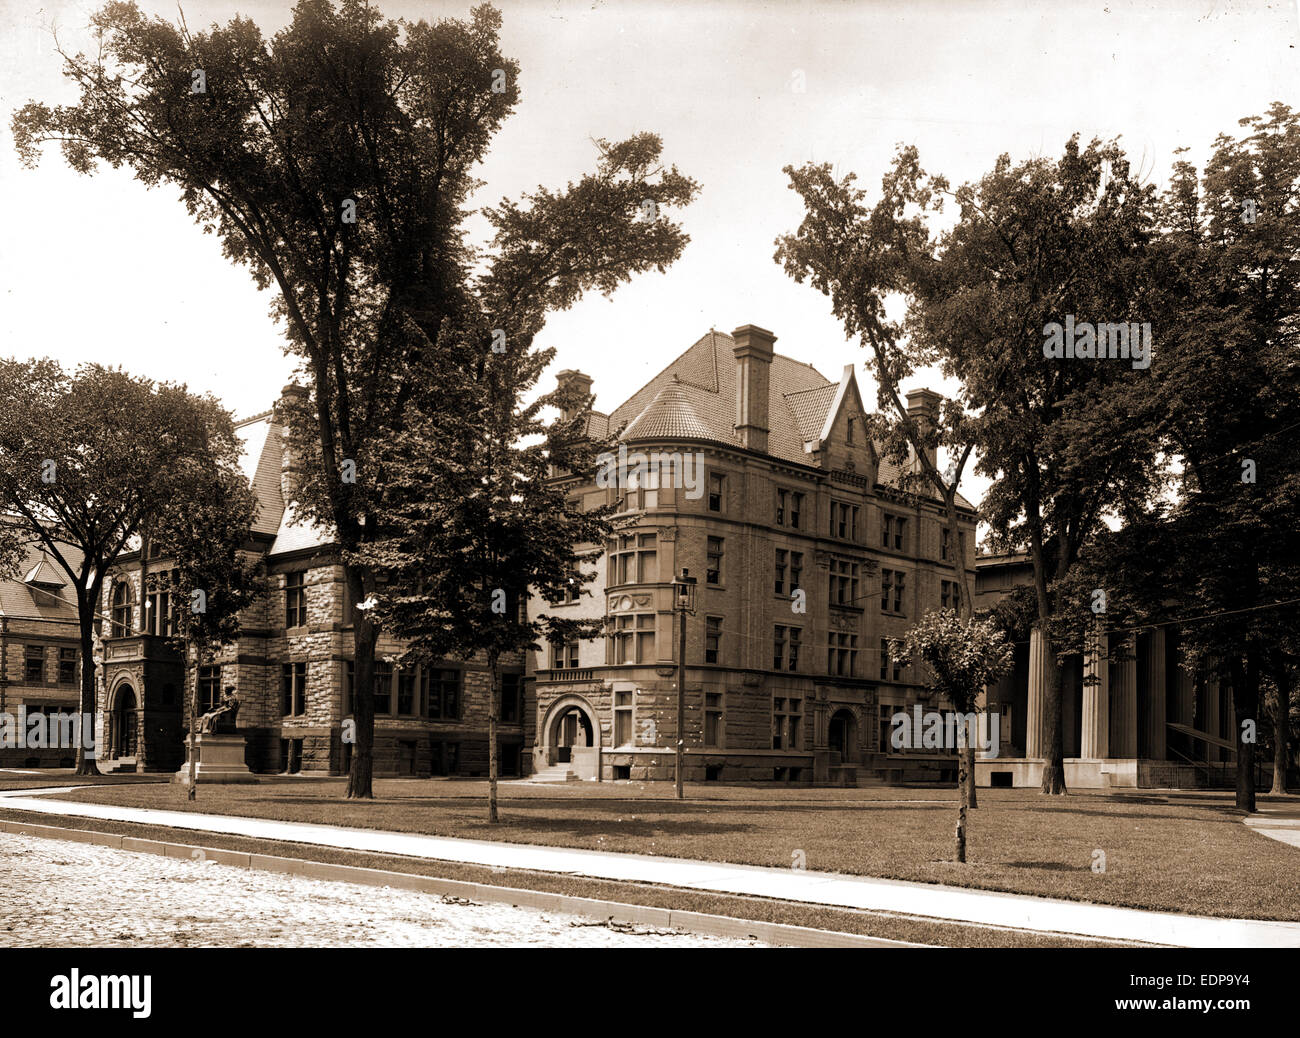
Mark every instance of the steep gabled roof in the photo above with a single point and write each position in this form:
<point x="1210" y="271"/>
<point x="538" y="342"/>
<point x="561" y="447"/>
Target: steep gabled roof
<point x="40" y="589"/>
<point x="260" y="463"/>
<point x="704" y="383"/>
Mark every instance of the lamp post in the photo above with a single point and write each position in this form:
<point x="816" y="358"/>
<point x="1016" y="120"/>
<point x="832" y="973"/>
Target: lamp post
<point x="683" y="603"/>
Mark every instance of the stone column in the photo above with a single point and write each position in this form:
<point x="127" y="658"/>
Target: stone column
<point x="1156" y="678"/>
<point x="1036" y="736"/>
<point x="1123" y="707"/>
<point x="1095" y="738"/>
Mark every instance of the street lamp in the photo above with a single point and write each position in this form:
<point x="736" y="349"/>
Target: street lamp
<point x="683" y="603"/>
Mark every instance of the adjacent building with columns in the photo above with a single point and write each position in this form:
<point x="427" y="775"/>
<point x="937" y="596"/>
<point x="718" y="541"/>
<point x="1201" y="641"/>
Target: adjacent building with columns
<point x="1131" y="715"/>
<point x="807" y="559"/>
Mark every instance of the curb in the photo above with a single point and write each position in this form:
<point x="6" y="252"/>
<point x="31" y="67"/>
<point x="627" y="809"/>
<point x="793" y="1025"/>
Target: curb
<point x="783" y="934"/>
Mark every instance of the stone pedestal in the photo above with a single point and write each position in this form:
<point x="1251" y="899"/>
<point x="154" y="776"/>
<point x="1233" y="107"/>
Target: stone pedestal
<point x="221" y="760"/>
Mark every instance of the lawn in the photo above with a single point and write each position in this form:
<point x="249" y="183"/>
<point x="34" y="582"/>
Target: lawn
<point x="1165" y="850"/>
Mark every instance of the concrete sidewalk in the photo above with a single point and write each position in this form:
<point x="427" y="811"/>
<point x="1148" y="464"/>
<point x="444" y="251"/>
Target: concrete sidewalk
<point x="1279" y="822"/>
<point x="818" y="888"/>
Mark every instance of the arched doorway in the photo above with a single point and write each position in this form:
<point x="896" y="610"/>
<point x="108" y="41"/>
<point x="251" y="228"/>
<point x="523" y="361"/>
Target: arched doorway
<point x="571" y="729"/>
<point x="842" y="737"/>
<point x="125" y="714"/>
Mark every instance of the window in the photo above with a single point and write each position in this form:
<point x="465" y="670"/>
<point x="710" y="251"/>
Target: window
<point x="891" y="591"/>
<point x="844" y="521"/>
<point x="349" y="683"/>
<point x="564" y="655"/>
<point x="641" y="493"/>
<point x="945" y="543"/>
<point x="712" y="638"/>
<point x="34" y="665"/>
<point x="712" y="718"/>
<point x="844" y="582"/>
<point x="406" y="691"/>
<point x="842" y="654"/>
<point x="900" y="534"/>
<point x="713" y="566"/>
<point x="383" y="687"/>
<point x="633" y="559"/>
<point x="446" y="757"/>
<point x="717" y="485"/>
<point x="295" y="600"/>
<point x="785" y="648"/>
<point x="67" y="666"/>
<point x="441" y="693"/>
<point x="893" y="532"/>
<point x="158" y="610"/>
<point x="622" y="718"/>
<point x="788" y="563"/>
<point x="888" y="665"/>
<point x="948" y="594"/>
<point x="293" y="689"/>
<point x="122" y="619"/>
<point x="512" y="699"/>
<point x="786" y="715"/>
<point x="789" y="508"/>
<point x="633" y="639"/>
<point x="209" y="689"/>
<point x="572" y="589"/>
<point x="848" y="429"/>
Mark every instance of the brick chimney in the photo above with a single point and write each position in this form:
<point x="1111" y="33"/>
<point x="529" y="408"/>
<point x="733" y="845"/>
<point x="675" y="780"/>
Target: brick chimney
<point x="573" y="383"/>
<point x="923" y="406"/>
<point x="292" y="396"/>
<point x="753" y="365"/>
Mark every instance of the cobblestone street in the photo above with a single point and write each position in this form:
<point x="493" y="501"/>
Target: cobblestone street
<point x="55" y="893"/>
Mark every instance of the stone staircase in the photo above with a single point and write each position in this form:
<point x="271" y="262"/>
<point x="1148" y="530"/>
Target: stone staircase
<point x="118" y="765"/>
<point x="555" y="773"/>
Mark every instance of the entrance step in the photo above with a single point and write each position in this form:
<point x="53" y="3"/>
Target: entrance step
<point x="119" y="765"/>
<point x="555" y="773"/>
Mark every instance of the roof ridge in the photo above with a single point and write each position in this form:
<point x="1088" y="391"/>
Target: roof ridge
<point x="668" y="367"/>
<point x="255" y="418"/>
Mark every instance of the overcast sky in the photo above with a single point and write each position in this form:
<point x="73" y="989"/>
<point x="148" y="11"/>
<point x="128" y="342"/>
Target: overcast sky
<point x="99" y="268"/>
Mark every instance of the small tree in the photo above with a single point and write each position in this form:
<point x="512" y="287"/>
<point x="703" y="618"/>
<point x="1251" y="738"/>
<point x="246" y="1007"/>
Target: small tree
<point x="482" y="518"/>
<point x="211" y="577"/>
<point x="89" y="461"/>
<point x="963" y="655"/>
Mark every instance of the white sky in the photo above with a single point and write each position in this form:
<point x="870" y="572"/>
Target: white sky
<point x="99" y="268"/>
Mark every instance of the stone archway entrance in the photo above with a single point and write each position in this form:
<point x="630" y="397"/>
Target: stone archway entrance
<point x="572" y="730"/>
<point x="571" y="738"/>
<point x="842" y="737"/>
<point x="125" y="742"/>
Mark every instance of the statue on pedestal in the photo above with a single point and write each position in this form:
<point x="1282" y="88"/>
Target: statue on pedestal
<point x="222" y="716"/>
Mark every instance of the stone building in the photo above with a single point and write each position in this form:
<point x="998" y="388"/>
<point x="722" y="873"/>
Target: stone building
<point x="1131" y="715"/>
<point x="291" y="667"/>
<point x="40" y="651"/>
<point x="807" y="558"/>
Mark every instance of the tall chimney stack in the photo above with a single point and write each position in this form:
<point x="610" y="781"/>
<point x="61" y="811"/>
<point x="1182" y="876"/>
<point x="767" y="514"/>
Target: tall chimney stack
<point x="291" y="396"/>
<point x="753" y="366"/>
<point x="923" y="406"/>
<point x="575" y="383"/>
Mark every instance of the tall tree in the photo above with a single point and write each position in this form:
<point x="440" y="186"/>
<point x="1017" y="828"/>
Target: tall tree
<point x="862" y="258"/>
<point x="335" y="161"/>
<point x="89" y="461"/>
<point x="1034" y="243"/>
<point x="963" y="656"/>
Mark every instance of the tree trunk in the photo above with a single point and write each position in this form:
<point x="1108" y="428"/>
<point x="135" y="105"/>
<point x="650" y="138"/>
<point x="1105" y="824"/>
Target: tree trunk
<point x="494" y="699"/>
<point x="1245" y="697"/>
<point x="1054" y="760"/>
<point x="965" y="610"/>
<point x="964" y="799"/>
<point x="365" y="635"/>
<point x="1281" y="729"/>
<point x="86" y="761"/>
<point x="194" y="724"/>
